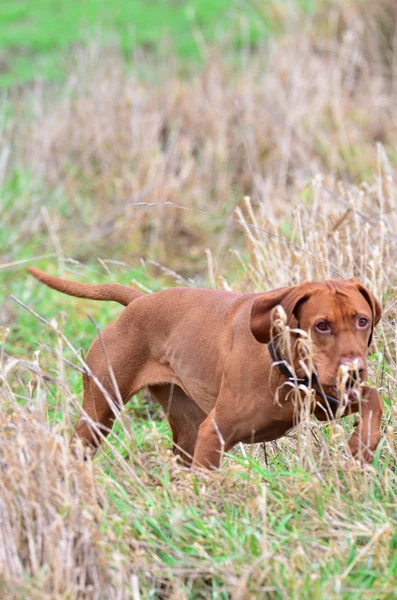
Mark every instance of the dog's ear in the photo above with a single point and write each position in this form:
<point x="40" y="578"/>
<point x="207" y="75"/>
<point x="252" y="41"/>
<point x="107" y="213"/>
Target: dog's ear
<point x="376" y="308"/>
<point x="289" y="298"/>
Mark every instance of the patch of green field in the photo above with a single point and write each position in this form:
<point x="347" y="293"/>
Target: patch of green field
<point x="35" y="35"/>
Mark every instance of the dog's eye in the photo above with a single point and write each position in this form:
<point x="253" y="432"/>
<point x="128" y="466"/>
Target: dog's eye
<point x="323" y="327"/>
<point x="363" y="322"/>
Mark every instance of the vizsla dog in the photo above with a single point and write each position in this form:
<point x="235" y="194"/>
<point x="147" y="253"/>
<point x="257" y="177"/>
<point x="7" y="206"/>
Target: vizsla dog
<point x="207" y="357"/>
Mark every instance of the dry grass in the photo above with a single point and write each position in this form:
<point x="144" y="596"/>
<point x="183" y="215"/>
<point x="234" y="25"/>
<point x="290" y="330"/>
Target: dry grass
<point x="306" y="129"/>
<point x="262" y="126"/>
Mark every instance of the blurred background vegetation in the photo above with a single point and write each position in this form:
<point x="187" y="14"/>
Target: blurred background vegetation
<point x="105" y="104"/>
<point x="36" y="36"/>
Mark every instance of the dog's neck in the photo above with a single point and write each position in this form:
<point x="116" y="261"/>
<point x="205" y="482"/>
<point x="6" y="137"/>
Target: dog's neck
<point x="331" y="403"/>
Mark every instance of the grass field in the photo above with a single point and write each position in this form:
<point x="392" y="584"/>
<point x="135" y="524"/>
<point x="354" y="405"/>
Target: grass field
<point x="213" y="144"/>
<point x="36" y="36"/>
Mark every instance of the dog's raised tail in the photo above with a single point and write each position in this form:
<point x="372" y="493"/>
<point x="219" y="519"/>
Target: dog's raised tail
<point x="106" y="291"/>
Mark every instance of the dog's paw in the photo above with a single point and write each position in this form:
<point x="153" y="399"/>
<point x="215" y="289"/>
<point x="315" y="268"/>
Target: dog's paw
<point x="361" y="451"/>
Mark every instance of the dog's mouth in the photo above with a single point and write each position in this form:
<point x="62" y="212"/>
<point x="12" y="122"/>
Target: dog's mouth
<point x="349" y="388"/>
<point x="345" y="383"/>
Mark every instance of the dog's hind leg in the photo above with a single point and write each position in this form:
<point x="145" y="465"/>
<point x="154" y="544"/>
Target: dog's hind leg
<point x="115" y="372"/>
<point x="99" y="412"/>
<point x="184" y="416"/>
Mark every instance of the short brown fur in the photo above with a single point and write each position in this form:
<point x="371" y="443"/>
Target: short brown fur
<point x="203" y="355"/>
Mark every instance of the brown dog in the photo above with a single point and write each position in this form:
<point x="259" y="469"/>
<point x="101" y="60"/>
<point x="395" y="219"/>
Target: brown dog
<point x="204" y="355"/>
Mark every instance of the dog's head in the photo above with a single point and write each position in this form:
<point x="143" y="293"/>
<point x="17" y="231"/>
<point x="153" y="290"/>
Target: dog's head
<point x="339" y="315"/>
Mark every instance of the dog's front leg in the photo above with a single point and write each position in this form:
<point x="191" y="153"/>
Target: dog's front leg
<point x="366" y="436"/>
<point x="211" y="443"/>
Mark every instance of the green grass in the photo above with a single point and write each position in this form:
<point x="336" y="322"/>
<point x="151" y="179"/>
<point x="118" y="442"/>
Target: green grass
<point x="282" y="528"/>
<point x="36" y="34"/>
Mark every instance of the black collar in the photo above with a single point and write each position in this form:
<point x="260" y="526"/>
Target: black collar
<point x="331" y="403"/>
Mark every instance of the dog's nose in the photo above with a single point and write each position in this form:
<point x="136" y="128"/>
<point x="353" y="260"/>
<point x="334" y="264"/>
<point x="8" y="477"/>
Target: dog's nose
<point x="355" y="364"/>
